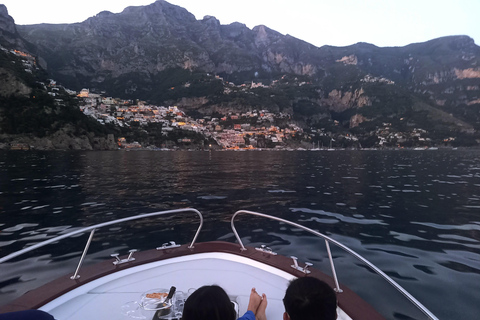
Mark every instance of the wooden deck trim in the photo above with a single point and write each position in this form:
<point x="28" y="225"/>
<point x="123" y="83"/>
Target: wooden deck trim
<point x="350" y="302"/>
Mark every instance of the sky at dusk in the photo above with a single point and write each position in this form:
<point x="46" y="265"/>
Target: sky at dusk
<point x="319" y="22"/>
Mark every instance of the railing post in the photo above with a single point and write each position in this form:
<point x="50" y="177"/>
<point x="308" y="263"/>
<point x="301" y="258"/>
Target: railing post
<point x="76" y="275"/>
<point x="242" y="247"/>
<point x="334" y="273"/>
<point x="191" y="246"/>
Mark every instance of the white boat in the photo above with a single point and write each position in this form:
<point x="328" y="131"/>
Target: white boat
<point x="114" y="289"/>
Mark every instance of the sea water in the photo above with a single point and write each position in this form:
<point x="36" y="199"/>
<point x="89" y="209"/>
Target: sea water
<point x="414" y="214"/>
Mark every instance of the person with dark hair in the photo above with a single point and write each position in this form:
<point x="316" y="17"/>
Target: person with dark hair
<point x="309" y="298"/>
<point x="213" y="303"/>
<point x="26" y="315"/>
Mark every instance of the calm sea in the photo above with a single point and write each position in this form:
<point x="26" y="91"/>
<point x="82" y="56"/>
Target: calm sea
<point x="415" y="214"/>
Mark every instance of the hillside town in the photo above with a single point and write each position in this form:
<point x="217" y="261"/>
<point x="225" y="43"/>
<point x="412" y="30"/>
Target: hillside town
<point x="248" y="130"/>
<point x="256" y="129"/>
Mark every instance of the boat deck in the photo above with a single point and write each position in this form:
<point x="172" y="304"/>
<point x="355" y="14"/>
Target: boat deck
<point x="237" y="276"/>
<point x="104" y="288"/>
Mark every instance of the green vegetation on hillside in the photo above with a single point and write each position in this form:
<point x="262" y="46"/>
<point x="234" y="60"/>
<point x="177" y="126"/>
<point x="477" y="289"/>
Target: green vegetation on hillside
<point x="167" y="85"/>
<point x="40" y="116"/>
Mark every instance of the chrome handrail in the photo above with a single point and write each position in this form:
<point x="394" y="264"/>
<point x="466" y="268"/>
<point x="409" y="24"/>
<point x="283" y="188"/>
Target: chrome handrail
<point x="327" y="239"/>
<point x="92" y="230"/>
<point x="84" y="254"/>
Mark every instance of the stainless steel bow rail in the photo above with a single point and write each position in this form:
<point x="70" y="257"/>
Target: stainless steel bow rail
<point x="264" y="249"/>
<point x="92" y="230"/>
<point x="328" y="240"/>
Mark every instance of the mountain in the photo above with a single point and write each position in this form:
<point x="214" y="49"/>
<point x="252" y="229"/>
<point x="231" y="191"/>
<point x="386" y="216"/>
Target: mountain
<point x="9" y="37"/>
<point x="142" y="42"/>
<point x="33" y="111"/>
<point x="161" y="53"/>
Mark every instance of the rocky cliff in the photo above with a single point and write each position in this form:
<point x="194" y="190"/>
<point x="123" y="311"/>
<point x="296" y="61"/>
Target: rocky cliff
<point x="31" y="118"/>
<point x="128" y="54"/>
<point x="141" y="42"/>
<point x="62" y="139"/>
<point x="9" y="36"/>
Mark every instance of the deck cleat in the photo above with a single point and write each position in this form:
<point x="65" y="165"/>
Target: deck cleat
<point x="168" y="245"/>
<point x="128" y="259"/>
<point x="263" y="248"/>
<point x="301" y="269"/>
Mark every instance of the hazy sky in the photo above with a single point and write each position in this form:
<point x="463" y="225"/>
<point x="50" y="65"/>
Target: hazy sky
<point x="319" y="22"/>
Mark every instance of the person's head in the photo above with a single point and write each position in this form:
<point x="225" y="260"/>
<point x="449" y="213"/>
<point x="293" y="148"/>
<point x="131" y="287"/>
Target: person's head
<point x="309" y="298"/>
<point x="208" y="303"/>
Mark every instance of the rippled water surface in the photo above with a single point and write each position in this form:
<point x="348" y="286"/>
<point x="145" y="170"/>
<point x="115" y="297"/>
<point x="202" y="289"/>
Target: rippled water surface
<point x="414" y="214"/>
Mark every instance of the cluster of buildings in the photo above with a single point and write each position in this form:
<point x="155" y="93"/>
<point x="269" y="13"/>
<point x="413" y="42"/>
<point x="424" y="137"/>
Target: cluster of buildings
<point x="372" y="79"/>
<point x="253" y="129"/>
<point x="249" y="130"/>
<point x="29" y="61"/>
<point x="418" y="137"/>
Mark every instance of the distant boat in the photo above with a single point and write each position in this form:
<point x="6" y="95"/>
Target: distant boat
<point x="331" y="148"/>
<point x="19" y="146"/>
<point x="313" y="147"/>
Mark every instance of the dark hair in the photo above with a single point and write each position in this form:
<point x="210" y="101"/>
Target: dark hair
<point x="208" y="303"/>
<point x="309" y="298"/>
